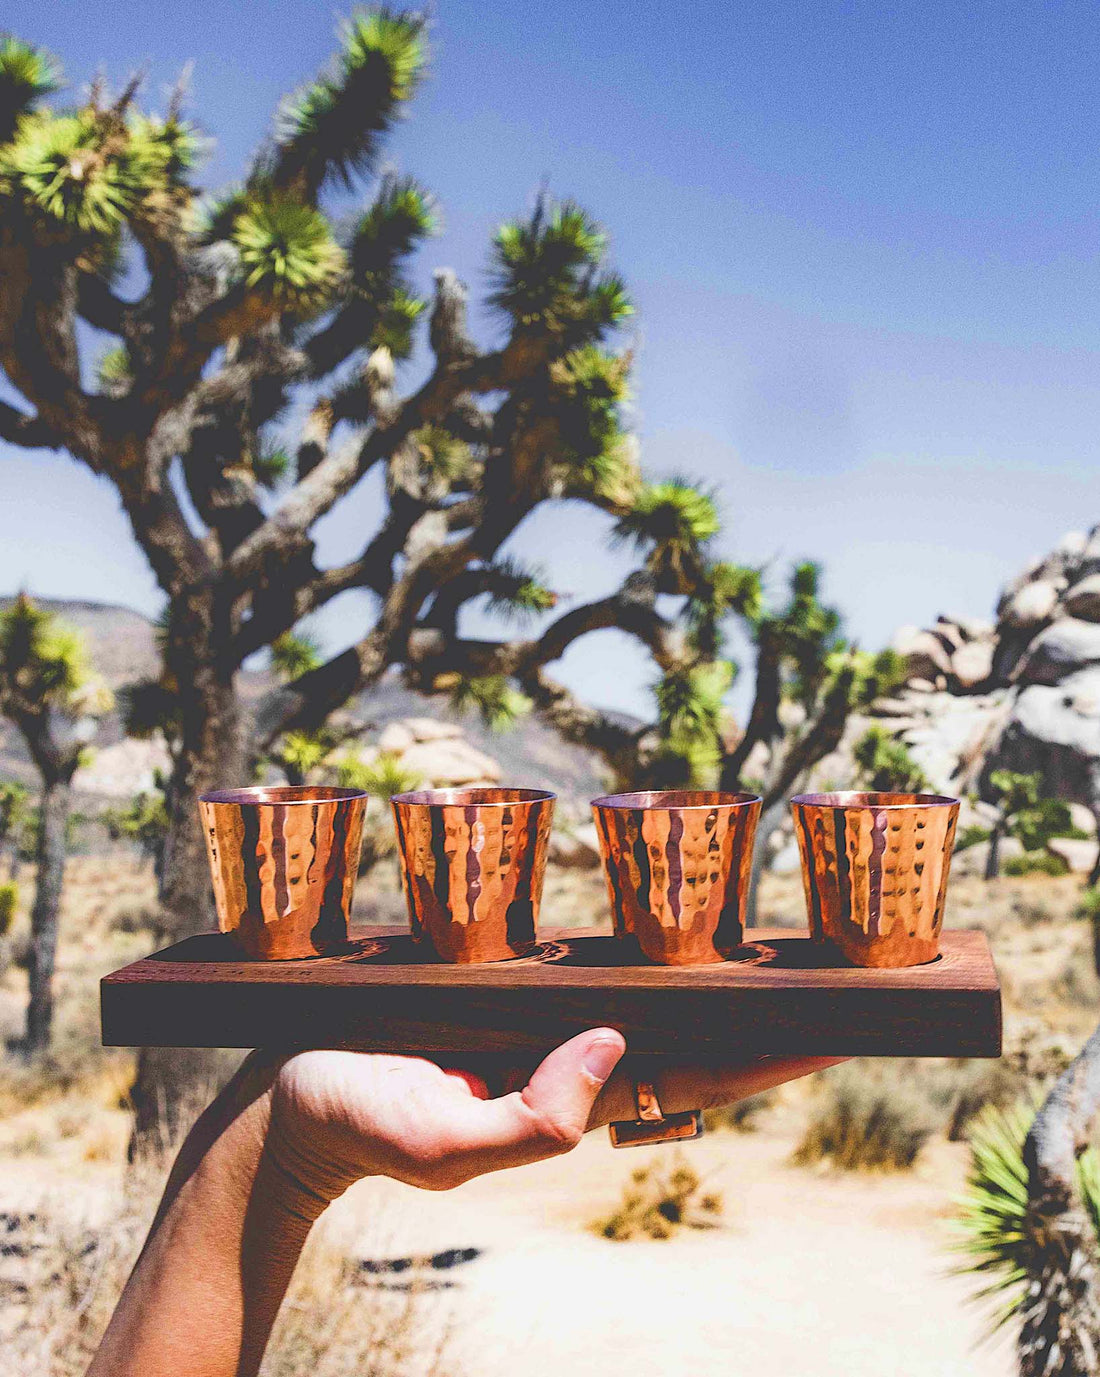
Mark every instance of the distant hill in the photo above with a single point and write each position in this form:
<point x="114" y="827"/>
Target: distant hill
<point x="122" y="647"/>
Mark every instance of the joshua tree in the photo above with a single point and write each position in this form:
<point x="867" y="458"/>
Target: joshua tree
<point x="47" y="692"/>
<point x="1023" y="813"/>
<point x="254" y="306"/>
<point x="255" y="299"/>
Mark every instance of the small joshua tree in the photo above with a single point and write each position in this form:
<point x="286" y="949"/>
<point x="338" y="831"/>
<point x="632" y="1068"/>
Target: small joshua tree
<point x="49" y="695"/>
<point x="886" y="765"/>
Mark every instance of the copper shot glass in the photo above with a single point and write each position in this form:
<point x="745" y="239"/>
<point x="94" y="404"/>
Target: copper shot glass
<point x="283" y="862"/>
<point x="472" y="864"/>
<point x="874" y="868"/>
<point x="678" y="866"/>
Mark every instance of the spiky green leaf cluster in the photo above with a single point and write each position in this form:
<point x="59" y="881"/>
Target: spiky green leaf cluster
<point x="294" y="654"/>
<point x="546" y="275"/>
<point x="87" y="174"/>
<point x="27" y="74"/>
<point x="148" y="706"/>
<point x="690" y="702"/>
<point x="396" y="322"/>
<point x="589" y="385"/>
<point x="722" y="589"/>
<point x="518" y="592"/>
<point x="41" y="659"/>
<point x="330" y="130"/>
<point x="114" y="371"/>
<point x="671" y="521"/>
<point x="886" y="765"/>
<point x="401" y="215"/>
<point x="1001" y="1241"/>
<point x="271" y="465"/>
<point x="287" y="252"/>
<point x="498" y="702"/>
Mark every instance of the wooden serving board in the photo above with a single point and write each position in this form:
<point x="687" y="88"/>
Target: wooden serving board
<point x="782" y="994"/>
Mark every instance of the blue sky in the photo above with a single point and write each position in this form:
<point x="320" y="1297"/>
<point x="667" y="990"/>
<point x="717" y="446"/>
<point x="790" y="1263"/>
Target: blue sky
<point x="862" y="241"/>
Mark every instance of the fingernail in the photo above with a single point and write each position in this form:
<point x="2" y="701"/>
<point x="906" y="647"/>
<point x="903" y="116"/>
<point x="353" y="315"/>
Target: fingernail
<point x="601" y="1058"/>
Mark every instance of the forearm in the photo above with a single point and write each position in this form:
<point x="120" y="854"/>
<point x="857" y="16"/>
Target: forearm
<point x="205" y="1291"/>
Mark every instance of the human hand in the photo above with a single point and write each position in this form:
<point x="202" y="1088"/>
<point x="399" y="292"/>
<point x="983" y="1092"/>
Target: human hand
<point x="339" y="1116"/>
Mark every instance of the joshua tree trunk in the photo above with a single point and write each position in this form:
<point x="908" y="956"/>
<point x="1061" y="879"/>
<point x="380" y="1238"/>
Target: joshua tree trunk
<point x="1060" y="1334"/>
<point x="212" y="756"/>
<point x="56" y="802"/>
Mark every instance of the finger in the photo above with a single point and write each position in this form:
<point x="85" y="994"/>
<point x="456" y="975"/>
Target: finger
<point x="549" y="1116"/>
<point x="689" y="1086"/>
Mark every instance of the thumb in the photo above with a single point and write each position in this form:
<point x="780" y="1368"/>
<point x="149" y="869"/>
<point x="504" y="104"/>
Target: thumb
<point x="550" y="1114"/>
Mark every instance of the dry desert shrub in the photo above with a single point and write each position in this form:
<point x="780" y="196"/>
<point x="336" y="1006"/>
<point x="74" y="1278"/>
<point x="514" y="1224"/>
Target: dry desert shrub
<point x="870" y="1118"/>
<point x="659" y="1199"/>
<point x="878" y="1115"/>
<point x="743" y="1116"/>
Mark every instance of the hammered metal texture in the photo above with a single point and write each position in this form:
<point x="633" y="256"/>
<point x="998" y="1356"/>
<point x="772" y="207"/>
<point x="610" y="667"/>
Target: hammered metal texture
<point x="283" y="862"/>
<point x="472" y="864"/>
<point x="874" y="868"/>
<point x="678" y="866"/>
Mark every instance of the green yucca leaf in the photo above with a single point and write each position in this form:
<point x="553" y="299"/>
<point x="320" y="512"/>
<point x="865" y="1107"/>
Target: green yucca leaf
<point x="304" y="751"/>
<point x="544" y="274"/>
<point x="294" y="654"/>
<point x="270" y="465"/>
<point x="996" y="1236"/>
<point x="114" y="371"/>
<point x="27" y="74"/>
<point x="40" y="657"/>
<point x="287" y="252"/>
<point x="886" y="765"/>
<point x="673" y="519"/>
<point x="518" y="592"/>
<point x="63" y="173"/>
<point x="170" y="148"/>
<point x="498" y="702"/>
<point x="331" y="129"/>
<point x="402" y="214"/>
<point x="396" y="322"/>
<point x="148" y="706"/>
<point x="442" y="455"/>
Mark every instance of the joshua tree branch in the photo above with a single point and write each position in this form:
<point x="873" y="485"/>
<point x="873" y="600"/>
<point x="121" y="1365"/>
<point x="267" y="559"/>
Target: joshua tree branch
<point x="29" y="432"/>
<point x="763" y="723"/>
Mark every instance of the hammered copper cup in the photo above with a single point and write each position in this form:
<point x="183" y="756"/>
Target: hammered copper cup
<point x="874" y="868"/>
<point x="472" y="863"/>
<point x="678" y="866"/>
<point x="283" y="862"/>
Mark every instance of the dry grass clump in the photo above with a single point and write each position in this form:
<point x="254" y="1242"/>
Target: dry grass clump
<point x="659" y="1199"/>
<point x="60" y="1281"/>
<point x="878" y="1115"/>
<point x="871" y="1119"/>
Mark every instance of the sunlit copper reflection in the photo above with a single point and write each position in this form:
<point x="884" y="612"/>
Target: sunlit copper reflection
<point x="678" y="866"/>
<point x="283" y="862"/>
<point x="875" y="868"/>
<point x="472" y="863"/>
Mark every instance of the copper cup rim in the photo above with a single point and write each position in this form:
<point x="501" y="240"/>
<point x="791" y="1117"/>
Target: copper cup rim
<point x="855" y="799"/>
<point x="501" y="796"/>
<point x="281" y="795"/>
<point x="676" y="800"/>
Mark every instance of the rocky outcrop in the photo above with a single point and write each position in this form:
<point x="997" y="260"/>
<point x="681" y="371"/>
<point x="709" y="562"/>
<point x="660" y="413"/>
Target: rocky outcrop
<point x="1022" y="693"/>
<point x="437" y="753"/>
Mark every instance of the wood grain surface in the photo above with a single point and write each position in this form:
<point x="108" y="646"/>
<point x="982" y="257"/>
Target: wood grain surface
<point x="783" y="995"/>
